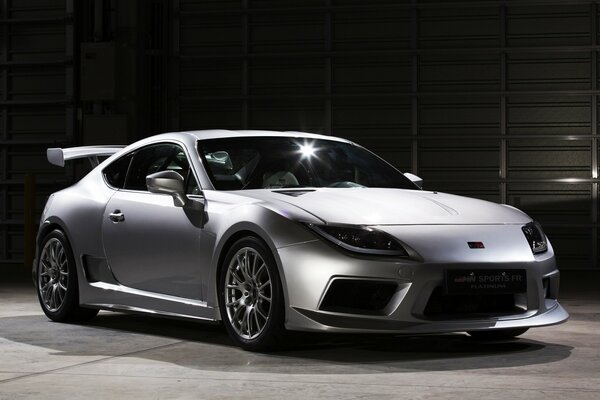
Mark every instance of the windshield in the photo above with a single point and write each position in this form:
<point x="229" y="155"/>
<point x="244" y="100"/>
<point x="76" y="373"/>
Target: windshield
<point x="287" y="162"/>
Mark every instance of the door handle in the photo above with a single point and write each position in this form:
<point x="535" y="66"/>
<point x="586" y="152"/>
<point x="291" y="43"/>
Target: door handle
<point x="116" y="216"/>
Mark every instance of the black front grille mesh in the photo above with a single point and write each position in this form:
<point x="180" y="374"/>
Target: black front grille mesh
<point x="443" y="305"/>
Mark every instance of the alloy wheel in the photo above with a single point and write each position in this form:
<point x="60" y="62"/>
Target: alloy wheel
<point x="53" y="278"/>
<point x="248" y="293"/>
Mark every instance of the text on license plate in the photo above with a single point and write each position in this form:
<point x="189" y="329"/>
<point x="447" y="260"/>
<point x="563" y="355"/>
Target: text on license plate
<point x="492" y="281"/>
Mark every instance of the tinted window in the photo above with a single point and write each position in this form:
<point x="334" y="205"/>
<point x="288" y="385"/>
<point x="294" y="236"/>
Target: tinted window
<point x="158" y="158"/>
<point x="281" y="162"/>
<point x="115" y="173"/>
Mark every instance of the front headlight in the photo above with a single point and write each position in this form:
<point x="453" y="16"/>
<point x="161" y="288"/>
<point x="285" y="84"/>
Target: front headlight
<point x="535" y="237"/>
<point x="363" y="240"/>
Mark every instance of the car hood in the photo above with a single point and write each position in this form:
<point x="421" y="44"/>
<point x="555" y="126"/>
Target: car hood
<point x="375" y="206"/>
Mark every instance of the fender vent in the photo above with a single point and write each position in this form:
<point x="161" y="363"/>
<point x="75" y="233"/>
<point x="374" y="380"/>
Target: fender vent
<point x="97" y="270"/>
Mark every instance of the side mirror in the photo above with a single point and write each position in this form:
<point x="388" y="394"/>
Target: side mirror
<point x="414" y="179"/>
<point x="168" y="182"/>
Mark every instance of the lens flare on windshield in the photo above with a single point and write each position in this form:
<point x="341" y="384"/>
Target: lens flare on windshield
<point x="307" y="150"/>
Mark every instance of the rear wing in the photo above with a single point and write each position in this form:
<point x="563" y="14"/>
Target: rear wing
<point x="58" y="156"/>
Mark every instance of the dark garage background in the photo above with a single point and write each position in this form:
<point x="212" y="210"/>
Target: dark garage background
<point x="491" y="99"/>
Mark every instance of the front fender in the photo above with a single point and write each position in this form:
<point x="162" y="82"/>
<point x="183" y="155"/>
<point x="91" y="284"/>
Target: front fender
<point x="274" y="229"/>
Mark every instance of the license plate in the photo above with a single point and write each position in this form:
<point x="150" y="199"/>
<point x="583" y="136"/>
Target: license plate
<point x="486" y="281"/>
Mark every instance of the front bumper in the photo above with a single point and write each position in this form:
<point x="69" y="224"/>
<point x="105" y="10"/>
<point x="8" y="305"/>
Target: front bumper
<point x="309" y="268"/>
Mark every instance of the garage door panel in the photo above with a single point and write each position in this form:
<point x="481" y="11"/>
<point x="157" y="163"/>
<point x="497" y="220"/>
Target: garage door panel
<point x="287" y="32"/>
<point x="371" y="30"/>
<point x="360" y="113"/>
<point x="549" y="115"/>
<point x="25" y="122"/>
<point x="555" y="25"/>
<point x="549" y="71"/>
<point x="553" y="202"/>
<point x="459" y="27"/>
<point x="287" y="115"/>
<point x="219" y="35"/>
<point x="210" y="115"/>
<point x="378" y="74"/>
<point x="575" y="245"/>
<point x="459" y="73"/>
<point x="281" y="76"/>
<point x="210" y="79"/>
<point x="459" y="116"/>
<point x="548" y="159"/>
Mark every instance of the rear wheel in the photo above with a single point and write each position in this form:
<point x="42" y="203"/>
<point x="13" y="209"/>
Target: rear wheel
<point x="250" y="296"/>
<point x="498" y="334"/>
<point x="58" y="291"/>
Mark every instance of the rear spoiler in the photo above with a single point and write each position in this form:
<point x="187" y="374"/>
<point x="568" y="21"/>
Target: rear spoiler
<point x="58" y="156"/>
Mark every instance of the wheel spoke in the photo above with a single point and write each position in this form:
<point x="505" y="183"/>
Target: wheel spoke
<point x="236" y="313"/>
<point x="233" y="303"/>
<point x="236" y="276"/>
<point x="262" y="296"/>
<point x="60" y="292"/>
<point x="258" y="327"/>
<point x="244" y="267"/>
<point x="47" y="291"/>
<point x="53" y="297"/>
<point x="45" y="264"/>
<point x="248" y="322"/>
<point x="52" y="256"/>
<point x="257" y="308"/>
<point x="264" y="285"/>
<point x="55" y="253"/>
<point x="240" y="268"/>
<point x="253" y="269"/>
<point x="60" y="255"/>
<point x="262" y="266"/>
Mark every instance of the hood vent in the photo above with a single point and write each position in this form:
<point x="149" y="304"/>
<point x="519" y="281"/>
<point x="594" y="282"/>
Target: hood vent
<point x="293" y="193"/>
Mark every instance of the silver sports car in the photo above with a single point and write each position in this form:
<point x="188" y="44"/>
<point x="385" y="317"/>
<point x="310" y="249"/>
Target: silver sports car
<point x="276" y="231"/>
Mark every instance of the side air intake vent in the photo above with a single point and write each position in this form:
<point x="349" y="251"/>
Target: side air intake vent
<point x="357" y="296"/>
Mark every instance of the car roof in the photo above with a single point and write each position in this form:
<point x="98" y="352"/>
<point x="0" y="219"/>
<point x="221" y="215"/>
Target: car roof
<point x="187" y="136"/>
<point x="223" y="133"/>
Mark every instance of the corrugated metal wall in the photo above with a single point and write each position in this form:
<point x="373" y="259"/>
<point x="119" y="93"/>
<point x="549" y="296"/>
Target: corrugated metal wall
<point x="36" y="107"/>
<point x="491" y="99"/>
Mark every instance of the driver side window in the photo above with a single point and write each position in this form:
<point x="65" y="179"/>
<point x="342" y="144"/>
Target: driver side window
<point x="156" y="158"/>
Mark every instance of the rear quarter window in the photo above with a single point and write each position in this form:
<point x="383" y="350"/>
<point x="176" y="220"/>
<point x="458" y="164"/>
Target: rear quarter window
<point x="116" y="172"/>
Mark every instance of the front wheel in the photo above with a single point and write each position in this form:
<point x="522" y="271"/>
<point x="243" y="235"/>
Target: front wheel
<point x="58" y="291"/>
<point x="498" y="334"/>
<point x="251" y="297"/>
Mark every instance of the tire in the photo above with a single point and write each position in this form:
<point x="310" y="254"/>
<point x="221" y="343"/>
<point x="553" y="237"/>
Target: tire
<point x="498" y="334"/>
<point x="56" y="281"/>
<point x="251" y="297"/>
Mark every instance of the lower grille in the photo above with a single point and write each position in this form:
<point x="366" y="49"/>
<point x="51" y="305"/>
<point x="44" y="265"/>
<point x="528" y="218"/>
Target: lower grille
<point x="356" y="296"/>
<point x="442" y="305"/>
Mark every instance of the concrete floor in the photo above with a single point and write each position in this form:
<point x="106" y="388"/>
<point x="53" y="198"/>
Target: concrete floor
<point x="122" y="356"/>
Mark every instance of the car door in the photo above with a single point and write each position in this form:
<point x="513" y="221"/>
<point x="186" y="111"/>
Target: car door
<point x="151" y="244"/>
